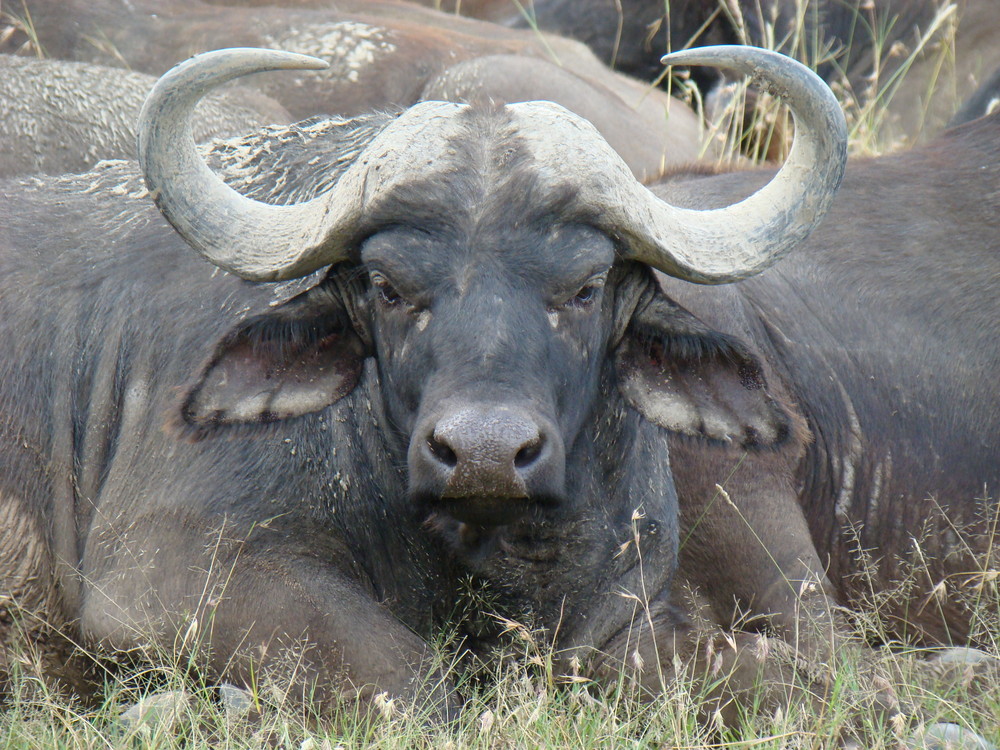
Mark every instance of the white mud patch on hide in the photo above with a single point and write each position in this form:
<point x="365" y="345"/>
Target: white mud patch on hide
<point x="348" y="46"/>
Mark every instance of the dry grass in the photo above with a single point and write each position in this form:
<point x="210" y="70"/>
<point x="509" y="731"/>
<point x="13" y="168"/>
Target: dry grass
<point x="757" y="125"/>
<point x="524" y="705"/>
<point x="17" y="31"/>
<point x="521" y="699"/>
<point x="750" y="123"/>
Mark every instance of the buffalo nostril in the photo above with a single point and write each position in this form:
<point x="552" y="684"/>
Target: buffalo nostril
<point x="442" y="453"/>
<point x="481" y="454"/>
<point x="528" y="454"/>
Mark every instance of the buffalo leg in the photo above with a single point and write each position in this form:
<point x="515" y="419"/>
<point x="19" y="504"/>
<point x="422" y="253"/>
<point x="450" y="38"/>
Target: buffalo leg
<point x="732" y="670"/>
<point x="746" y="548"/>
<point x="257" y="607"/>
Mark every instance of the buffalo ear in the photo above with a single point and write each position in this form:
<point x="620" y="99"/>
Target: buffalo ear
<point x="296" y="359"/>
<point x="680" y="374"/>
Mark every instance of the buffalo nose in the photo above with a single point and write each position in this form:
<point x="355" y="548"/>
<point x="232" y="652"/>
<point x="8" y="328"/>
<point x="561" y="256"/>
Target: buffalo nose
<point x="488" y="452"/>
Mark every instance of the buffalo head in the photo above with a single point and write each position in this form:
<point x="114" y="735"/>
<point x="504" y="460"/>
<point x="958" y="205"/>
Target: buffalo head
<point x="496" y="263"/>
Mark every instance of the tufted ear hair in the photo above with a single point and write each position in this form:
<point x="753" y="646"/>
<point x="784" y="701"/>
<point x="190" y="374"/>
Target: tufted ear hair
<point x="298" y="358"/>
<point x="684" y="376"/>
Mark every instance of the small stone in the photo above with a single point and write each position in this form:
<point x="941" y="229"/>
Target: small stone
<point x="963" y="656"/>
<point x="236" y="701"/>
<point x="945" y="736"/>
<point x="163" y="710"/>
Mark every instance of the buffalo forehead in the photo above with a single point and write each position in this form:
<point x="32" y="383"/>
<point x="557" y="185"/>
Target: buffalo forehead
<point x="470" y="255"/>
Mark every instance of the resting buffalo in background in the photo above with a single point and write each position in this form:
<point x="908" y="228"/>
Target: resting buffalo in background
<point x="472" y="373"/>
<point x="847" y="41"/>
<point x="837" y="36"/>
<point x="984" y="101"/>
<point x="490" y="10"/>
<point x="58" y="117"/>
<point x="382" y="54"/>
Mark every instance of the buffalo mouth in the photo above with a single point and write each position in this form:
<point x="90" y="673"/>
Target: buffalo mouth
<point x="485" y="511"/>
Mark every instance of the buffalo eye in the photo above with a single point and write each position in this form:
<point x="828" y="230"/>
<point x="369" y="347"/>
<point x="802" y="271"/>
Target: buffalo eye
<point x="586" y="295"/>
<point x="386" y="292"/>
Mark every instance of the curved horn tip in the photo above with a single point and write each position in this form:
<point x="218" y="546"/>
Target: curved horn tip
<point x="718" y="53"/>
<point x="777" y="72"/>
<point x="745" y="58"/>
<point x="256" y="241"/>
<point x="268" y="59"/>
<point x="728" y="244"/>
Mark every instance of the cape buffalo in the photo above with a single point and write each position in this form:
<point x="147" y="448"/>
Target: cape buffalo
<point x="470" y="372"/>
<point x="463" y="383"/>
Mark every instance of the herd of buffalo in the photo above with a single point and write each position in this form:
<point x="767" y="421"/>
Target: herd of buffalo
<point x="423" y="304"/>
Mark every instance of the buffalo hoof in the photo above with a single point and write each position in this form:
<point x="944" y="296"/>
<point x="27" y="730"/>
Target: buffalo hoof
<point x="945" y="736"/>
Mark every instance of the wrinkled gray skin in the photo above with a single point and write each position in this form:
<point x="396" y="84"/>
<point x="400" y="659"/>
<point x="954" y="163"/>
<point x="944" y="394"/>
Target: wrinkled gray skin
<point x="58" y="117"/>
<point x="491" y="10"/>
<point x="877" y="337"/>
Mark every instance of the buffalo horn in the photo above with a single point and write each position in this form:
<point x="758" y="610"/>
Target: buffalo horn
<point x="260" y="241"/>
<point x="264" y="242"/>
<point x="705" y="246"/>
